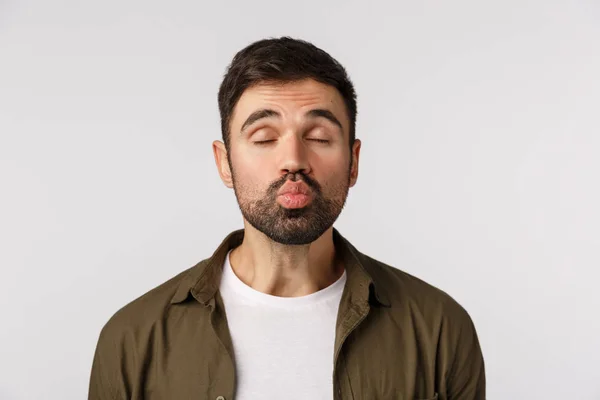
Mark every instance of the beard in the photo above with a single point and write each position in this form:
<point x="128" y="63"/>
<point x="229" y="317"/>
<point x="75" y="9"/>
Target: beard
<point x="296" y="226"/>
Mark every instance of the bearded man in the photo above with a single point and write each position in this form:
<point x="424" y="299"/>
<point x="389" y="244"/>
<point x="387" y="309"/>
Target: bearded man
<point x="287" y="308"/>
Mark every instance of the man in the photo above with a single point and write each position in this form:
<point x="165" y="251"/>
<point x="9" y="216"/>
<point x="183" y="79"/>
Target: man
<point x="287" y="308"/>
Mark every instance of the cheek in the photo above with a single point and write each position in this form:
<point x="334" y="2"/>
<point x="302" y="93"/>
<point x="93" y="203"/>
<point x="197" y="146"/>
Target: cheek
<point x="334" y="179"/>
<point x="338" y="165"/>
<point x="251" y="178"/>
<point x="246" y="159"/>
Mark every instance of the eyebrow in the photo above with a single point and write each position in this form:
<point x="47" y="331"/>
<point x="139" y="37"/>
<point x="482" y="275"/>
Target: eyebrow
<point x="321" y="113"/>
<point x="268" y="113"/>
<point x="259" y="114"/>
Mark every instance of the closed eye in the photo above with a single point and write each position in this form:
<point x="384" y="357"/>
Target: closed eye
<point x="263" y="142"/>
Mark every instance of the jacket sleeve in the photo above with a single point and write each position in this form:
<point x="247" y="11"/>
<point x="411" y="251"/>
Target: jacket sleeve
<point x="466" y="378"/>
<point x="107" y="380"/>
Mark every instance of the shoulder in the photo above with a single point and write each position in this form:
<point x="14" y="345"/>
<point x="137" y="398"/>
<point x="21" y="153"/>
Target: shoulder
<point x="129" y="335"/>
<point x="140" y="315"/>
<point x="407" y="291"/>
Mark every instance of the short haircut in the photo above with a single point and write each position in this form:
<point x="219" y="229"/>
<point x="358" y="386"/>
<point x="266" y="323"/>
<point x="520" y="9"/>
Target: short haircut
<point x="282" y="60"/>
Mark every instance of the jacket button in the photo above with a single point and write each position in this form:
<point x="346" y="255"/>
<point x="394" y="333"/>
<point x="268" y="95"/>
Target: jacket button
<point x="220" y="398"/>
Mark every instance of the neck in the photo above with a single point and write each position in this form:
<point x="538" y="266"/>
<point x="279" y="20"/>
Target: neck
<point x="285" y="270"/>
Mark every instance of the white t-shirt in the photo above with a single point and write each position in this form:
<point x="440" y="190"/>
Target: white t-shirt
<point x="283" y="345"/>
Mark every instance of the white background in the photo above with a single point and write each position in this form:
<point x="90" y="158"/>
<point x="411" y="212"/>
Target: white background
<point x="480" y="168"/>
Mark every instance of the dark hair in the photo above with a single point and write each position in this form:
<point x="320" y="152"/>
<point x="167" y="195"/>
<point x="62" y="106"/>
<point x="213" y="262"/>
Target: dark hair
<point x="282" y="60"/>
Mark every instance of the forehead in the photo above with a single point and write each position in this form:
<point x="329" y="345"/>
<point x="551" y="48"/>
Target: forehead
<point x="290" y="99"/>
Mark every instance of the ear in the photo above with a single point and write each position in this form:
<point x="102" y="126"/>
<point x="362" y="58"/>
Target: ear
<point x="355" y="154"/>
<point x="220" y="153"/>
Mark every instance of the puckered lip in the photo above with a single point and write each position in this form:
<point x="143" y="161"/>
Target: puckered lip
<point x="294" y="188"/>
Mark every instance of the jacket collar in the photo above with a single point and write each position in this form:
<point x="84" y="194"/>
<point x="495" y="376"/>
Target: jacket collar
<point x="202" y="280"/>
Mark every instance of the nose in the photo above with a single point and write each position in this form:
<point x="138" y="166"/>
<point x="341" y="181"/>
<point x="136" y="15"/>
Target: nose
<point x="293" y="155"/>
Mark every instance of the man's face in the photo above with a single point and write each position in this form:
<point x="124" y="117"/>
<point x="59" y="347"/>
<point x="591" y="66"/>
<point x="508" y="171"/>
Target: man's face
<point x="290" y="159"/>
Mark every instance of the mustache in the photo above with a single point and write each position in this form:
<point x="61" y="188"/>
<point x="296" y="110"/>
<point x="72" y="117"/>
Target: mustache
<point x="295" y="177"/>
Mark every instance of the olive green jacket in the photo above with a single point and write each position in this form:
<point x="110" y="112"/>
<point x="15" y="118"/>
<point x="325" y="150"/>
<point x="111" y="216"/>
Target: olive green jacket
<point x="396" y="337"/>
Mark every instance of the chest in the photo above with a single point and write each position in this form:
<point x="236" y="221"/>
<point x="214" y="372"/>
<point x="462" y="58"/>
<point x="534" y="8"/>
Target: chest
<point x="249" y="355"/>
<point x="283" y="353"/>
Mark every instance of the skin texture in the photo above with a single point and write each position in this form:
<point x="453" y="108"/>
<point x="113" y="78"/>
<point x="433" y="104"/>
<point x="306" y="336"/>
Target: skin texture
<point x="288" y="251"/>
